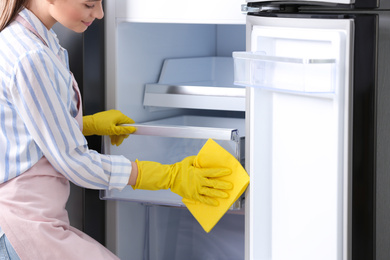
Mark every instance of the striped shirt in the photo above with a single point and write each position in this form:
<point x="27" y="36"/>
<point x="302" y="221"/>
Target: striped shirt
<point x="37" y="109"/>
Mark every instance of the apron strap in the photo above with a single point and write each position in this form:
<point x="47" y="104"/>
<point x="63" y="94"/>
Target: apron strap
<point x="26" y="24"/>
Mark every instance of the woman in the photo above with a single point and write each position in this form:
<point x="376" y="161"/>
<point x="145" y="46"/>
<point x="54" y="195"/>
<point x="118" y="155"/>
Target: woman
<point x="42" y="146"/>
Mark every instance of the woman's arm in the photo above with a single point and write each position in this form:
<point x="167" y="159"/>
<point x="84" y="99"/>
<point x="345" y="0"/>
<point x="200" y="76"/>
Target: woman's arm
<point x="41" y="94"/>
<point x="134" y="174"/>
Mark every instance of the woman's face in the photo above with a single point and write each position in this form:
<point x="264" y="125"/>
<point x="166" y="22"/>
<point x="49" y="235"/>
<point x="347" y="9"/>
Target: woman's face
<point x="76" y="15"/>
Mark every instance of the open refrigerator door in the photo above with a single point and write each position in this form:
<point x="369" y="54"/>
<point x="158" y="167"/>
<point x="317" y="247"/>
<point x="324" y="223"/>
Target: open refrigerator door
<point x="298" y="137"/>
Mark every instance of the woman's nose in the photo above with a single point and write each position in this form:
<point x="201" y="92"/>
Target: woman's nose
<point x="98" y="11"/>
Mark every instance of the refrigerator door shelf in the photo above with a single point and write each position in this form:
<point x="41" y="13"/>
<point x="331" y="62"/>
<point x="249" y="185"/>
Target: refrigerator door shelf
<point x="253" y="69"/>
<point x="196" y="83"/>
<point x="303" y="59"/>
<point x="172" y="139"/>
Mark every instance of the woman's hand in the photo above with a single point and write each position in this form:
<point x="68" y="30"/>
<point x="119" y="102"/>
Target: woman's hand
<point x="108" y="123"/>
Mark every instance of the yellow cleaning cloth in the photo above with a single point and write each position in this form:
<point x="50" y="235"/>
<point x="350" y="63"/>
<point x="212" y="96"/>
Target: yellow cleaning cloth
<point x="213" y="155"/>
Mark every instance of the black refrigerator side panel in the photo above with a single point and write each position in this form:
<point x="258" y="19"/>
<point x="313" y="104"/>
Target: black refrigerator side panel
<point x="383" y="142"/>
<point x="364" y="137"/>
<point x="93" y="102"/>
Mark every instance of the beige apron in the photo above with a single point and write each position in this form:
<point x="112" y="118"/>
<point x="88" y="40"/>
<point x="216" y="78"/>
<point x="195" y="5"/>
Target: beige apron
<point x="33" y="214"/>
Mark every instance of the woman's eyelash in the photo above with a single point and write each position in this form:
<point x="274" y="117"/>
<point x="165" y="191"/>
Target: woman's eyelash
<point x="90" y="6"/>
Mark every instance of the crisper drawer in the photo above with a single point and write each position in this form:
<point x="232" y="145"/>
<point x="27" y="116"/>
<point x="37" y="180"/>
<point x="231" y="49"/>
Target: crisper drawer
<point x="172" y="139"/>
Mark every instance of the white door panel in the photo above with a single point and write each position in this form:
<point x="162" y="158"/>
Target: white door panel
<point x="298" y="74"/>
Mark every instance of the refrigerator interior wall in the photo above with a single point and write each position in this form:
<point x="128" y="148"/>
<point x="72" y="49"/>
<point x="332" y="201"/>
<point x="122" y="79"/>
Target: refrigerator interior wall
<point x="142" y="49"/>
<point x="299" y="139"/>
<point x="133" y="231"/>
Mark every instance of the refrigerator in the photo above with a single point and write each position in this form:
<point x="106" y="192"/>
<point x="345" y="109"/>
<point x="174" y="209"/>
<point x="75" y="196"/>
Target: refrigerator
<point x="295" y="90"/>
<point x="316" y="76"/>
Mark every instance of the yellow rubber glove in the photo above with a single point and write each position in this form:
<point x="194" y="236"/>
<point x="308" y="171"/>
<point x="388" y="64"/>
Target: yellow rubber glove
<point x="184" y="179"/>
<point x="108" y="123"/>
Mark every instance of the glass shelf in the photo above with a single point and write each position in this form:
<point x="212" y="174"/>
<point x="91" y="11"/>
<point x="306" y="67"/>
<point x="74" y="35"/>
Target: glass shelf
<point x="196" y="83"/>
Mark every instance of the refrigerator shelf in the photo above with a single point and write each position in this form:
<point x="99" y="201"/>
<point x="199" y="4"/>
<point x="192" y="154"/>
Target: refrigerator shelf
<point x="186" y="132"/>
<point x="172" y="139"/>
<point x="196" y="83"/>
<point x="302" y="74"/>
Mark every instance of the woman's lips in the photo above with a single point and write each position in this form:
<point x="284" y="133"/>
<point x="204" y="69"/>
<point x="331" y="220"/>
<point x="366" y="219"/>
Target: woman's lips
<point x="87" y="23"/>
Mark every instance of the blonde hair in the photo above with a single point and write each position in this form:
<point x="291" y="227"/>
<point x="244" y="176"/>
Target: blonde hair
<point x="8" y="10"/>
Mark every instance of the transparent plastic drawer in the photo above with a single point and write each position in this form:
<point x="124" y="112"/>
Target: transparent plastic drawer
<point x="255" y="69"/>
<point x="170" y="140"/>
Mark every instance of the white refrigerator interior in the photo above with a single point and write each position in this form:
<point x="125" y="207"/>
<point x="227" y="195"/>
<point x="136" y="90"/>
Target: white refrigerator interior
<point x="298" y="137"/>
<point x="173" y="74"/>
